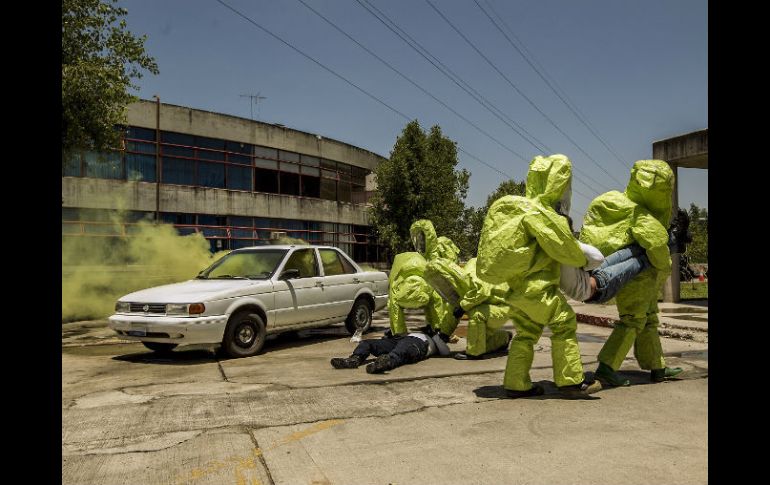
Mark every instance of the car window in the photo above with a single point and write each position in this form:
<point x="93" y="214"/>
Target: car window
<point x="304" y="261"/>
<point x="333" y="263"/>
<point x="245" y="264"/>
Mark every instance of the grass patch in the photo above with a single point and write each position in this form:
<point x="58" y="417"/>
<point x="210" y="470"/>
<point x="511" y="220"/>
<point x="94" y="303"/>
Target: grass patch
<point x="694" y="291"/>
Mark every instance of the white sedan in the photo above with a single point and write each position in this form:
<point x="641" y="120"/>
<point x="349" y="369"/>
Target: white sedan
<point x="250" y="293"/>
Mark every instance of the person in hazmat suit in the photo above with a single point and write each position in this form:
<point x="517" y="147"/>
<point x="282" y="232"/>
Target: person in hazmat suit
<point x="408" y="288"/>
<point x="483" y="302"/>
<point x="524" y="242"/>
<point x="615" y="220"/>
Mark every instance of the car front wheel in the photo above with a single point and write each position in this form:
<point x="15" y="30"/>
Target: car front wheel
<point x="244" y="335"/>
<point x="360" y="317"/>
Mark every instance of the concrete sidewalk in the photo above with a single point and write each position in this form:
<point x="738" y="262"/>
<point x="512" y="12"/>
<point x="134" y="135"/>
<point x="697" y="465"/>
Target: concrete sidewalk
<point x="685" y="320"/>
<point x="287" y="417"/>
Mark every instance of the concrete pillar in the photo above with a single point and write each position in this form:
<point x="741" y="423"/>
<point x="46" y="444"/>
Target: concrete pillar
<point x="671" y="286"/>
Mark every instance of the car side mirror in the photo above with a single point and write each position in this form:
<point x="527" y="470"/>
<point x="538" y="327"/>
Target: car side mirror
<point x="289" y="274"/>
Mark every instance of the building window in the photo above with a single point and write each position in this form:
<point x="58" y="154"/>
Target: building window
<point x="266" y="181"/>
<point x="211" y="174"/>
<point x="178" y="171"/>
<point x="311" y="186"/>
<point x="239" y="178"/>
<point x="343" y="192"/>
<point x="288" y="156"/>
<point x="289" y="183"/>
<point x="140" y="167"/>
<point x="103" y="165"/>
<point x="138" y="133"/>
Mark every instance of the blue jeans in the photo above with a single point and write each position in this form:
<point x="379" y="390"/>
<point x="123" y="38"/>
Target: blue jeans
<point x="618" y="269"/>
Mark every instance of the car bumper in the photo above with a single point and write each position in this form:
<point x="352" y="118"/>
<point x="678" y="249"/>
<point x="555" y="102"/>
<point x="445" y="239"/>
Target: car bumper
<point x="380" y="302"/>
<point x="176" y="330"/>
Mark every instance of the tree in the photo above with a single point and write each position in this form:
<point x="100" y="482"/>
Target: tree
<point x="473" y="219"/>
<point x="100" y="57"/>
<point x="697" y="250"/>
<point x="419" y="181"/>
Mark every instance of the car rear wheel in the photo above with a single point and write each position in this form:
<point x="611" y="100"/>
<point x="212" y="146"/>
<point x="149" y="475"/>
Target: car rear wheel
<point x="159" y="347"/>
<point x="360" y="317"/>
<point x="245" y="335"/>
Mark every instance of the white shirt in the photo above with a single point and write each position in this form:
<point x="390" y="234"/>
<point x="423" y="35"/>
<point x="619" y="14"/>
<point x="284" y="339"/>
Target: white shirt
<point x="575" y="282"/>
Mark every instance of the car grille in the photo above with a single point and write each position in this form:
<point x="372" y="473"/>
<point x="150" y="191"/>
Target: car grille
<point x="151" y="307"/>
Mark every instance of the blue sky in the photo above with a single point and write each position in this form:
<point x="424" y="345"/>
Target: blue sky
<point x="636" y="71"/>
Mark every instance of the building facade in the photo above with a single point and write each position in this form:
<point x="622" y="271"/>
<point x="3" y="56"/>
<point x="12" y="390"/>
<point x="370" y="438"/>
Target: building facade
<point x="238" y="182"/>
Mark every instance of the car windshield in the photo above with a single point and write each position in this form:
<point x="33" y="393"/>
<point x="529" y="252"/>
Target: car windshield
<point x="257" y="264"/>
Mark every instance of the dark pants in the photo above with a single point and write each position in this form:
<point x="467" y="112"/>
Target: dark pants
<point x="402" y="350"/>
<point x="618" y="269"/>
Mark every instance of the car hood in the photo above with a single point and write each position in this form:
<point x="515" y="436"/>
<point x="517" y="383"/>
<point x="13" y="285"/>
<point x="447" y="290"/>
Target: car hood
<point x="194" y="291"/>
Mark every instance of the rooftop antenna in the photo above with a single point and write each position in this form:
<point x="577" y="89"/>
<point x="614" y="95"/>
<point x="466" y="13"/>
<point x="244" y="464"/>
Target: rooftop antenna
<point x="253" y="99"/>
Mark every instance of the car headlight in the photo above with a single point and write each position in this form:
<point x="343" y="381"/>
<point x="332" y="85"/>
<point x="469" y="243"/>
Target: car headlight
<point x="185" y="309"/>
<point x="122" y="307"/>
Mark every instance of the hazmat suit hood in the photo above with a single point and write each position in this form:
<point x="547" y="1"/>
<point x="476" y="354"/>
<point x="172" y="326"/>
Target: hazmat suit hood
<point x="651" y="186"/>
<point x="549" y="181"/>
<point x="446" y="249"/>
<point x="424" y="238"/>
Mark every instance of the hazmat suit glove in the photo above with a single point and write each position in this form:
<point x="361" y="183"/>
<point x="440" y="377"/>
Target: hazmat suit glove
<point x="458" y="312"/>
<point x="444" y="336"/>
<point x="388" y="334"/>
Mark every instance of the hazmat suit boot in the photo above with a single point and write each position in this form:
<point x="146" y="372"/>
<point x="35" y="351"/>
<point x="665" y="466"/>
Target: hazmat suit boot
<point x="535" y="390"/>
<point x="580" y="391"/>
<point x="608" y="376"/>
<point x="501" y="351"/>
<point x="351" y="362"/>
<point x="660" y="375"/>
<point x="380" y="365"/>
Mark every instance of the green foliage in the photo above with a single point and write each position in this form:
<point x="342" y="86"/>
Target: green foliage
<point x="100" y="57"/>
<point x="419" y="181"/>
<point x="697" y="250"/>
<point x="473" y="219"/>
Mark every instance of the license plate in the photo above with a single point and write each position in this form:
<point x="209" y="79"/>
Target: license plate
<point x="138" y="330"/>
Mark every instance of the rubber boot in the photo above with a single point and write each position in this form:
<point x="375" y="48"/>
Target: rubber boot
<point x="535" y="390"/>
<point x="660" y="375"/>
<point x="608" y="376"/>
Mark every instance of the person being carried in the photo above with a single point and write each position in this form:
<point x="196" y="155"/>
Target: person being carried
<point x="394" y="350"/>
<point x="602" y="278"/>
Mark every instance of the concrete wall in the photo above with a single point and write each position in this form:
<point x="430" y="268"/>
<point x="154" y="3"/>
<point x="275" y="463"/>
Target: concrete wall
<point x="116" y="194"/>
<point x="690" y="150"/>
<point x="216" y="125"/>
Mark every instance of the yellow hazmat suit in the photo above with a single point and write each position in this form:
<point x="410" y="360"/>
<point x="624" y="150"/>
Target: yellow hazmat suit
<point x="639" y="215"/>
<point x="523" y="242"/>
<point x="408" y="289"/>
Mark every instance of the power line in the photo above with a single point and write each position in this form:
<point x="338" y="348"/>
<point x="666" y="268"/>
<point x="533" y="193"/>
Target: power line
<point x="443" y="69"/>
<point x="251" y="21"/>
<point x="543" y="75"/>
<point x="513" y="85"/>
<point x="318" y="63"/>
<point x="427" y="55"/>
<point x="409" y="80"/>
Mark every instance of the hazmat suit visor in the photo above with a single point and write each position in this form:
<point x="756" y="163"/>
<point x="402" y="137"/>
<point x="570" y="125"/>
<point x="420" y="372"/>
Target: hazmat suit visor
<point x="418" y="241"/>
<point x="563" y="205"/>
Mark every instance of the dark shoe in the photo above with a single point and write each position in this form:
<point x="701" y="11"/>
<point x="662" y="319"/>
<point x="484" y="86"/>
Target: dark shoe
<point x="351" y="362"/>
<point x="580" y="391"/>
<point x="608" y="376"/>
<point x="535" y="390"/>
<point x="466" y="356"/>
<point x="660" y="375"/>
<point x="380" y="365"/>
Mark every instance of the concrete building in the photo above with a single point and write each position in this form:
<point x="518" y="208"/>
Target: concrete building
<point x="690" y="150"/>
<point x="238" y="182"/>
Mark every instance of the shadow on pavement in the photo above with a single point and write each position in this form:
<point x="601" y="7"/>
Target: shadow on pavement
<point x="551" y="392"/>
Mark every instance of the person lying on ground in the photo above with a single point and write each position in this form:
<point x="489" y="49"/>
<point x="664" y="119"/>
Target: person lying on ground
<point x="393" y="351"/>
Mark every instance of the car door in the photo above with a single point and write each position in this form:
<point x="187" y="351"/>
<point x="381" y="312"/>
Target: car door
<point x="340" y="281"/>
<point x="298" y="299"/>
